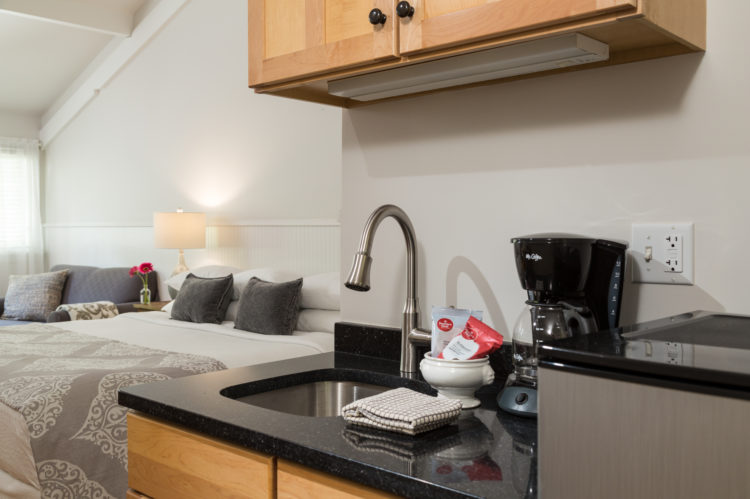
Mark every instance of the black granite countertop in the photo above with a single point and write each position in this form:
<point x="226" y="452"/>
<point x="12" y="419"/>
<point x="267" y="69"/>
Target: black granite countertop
<point x="486" y="454"/>
<point x="698" y="351"/>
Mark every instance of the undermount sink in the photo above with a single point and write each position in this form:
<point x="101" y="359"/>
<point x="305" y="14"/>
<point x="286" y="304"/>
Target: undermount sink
<point x="320" y="393"/>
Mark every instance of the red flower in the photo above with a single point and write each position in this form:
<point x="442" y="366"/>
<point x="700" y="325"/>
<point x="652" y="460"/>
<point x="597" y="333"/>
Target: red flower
<point x="133" y="270"/>
<point x="145" y="268"/>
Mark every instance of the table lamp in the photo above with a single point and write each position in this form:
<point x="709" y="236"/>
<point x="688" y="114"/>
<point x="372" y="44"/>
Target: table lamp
<point x="180" y="230"/>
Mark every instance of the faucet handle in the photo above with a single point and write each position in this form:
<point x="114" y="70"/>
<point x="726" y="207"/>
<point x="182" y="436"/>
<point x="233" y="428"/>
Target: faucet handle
<point x="420" y="336"/>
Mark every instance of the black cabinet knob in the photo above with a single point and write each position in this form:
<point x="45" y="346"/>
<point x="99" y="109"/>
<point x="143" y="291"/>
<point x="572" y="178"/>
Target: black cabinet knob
<point x="377" y="17"/>
<point x="403" y="9"/>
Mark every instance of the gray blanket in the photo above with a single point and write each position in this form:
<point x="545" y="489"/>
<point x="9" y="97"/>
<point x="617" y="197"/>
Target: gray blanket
<point x="65" y="384"/>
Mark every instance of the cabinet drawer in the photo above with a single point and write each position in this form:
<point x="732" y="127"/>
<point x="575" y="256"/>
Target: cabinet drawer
<point x="168" y="462"/>
<point x="299" y="482"/>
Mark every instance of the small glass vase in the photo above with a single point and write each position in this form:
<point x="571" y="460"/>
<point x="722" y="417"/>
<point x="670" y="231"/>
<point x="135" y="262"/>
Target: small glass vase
<point x="145" y="296"/>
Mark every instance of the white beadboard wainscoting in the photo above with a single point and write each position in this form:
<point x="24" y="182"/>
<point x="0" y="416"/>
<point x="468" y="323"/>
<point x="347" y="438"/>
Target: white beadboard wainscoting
<point x="302" y="246"/>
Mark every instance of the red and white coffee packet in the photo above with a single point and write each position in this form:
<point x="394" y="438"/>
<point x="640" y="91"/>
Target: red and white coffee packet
<point x="477" y="340"/>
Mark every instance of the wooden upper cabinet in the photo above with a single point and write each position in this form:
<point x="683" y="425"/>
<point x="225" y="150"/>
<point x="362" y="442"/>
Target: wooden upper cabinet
<point x="293" y="39"/>
<point x="443" y="23"/>
<point x="299" y="47"/>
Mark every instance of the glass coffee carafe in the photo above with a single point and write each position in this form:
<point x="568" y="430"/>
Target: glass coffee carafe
<point x="535" y="324"/>
<point x="539" y="323"/>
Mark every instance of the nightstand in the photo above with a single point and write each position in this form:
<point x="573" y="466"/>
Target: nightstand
<point x="154" y="306"/>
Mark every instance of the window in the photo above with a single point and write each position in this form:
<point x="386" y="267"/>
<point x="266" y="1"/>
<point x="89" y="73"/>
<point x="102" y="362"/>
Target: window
<point x="20" y="224"/>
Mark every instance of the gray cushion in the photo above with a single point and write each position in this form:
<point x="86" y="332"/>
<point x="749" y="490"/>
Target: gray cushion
<point x="269" y="307"/>
<point x="203" y="299"/>
<point x="58" y="316"/>
<point x="32" y="297"/>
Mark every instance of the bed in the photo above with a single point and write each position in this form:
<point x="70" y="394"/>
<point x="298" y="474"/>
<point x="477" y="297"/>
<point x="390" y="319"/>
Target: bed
<point x="62" y="433"/>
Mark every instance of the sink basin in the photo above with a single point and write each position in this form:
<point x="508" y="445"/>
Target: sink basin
<point x="320" y="393"/>
<point x="318" y="399"/>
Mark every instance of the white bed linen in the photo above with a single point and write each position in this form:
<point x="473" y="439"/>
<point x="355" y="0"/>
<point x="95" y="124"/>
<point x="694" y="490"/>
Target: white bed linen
<point x="222" y="342"/>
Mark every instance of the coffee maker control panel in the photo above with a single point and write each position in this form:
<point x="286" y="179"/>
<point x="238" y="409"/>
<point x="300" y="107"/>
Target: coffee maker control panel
<point x="615" y="294"/>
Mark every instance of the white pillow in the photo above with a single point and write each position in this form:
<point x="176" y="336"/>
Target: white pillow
<point x="270" y="275"/>
<point x="168" y="308"/>
<point x="311" y="319"/>
<point x="234" y="306"/>
<point x="321" y="291"/>
<point x="176" y="281"/>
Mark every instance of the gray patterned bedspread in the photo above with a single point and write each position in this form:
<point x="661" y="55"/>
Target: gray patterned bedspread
<point x="65" y="384"/>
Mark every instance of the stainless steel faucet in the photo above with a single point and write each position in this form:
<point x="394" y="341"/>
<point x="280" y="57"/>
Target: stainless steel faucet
<point x="359" y="280"/>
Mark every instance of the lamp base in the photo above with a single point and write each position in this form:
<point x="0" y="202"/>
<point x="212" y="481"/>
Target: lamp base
<point x="181" y="267"/>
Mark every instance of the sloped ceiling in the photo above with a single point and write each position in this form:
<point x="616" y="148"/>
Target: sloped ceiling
<point x="46" y="44"/>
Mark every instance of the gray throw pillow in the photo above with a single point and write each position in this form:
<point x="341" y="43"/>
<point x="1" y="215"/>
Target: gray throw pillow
<point x="203" y="299"/>
<point x="33" y="297"/>
<point x="269" y="307"/>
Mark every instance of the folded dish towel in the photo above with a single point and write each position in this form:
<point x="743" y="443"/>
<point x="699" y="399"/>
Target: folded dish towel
<point x="402" y="410"/>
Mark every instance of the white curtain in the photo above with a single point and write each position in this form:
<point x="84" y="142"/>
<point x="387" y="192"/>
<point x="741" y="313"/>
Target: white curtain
<point x="21" y="247"/>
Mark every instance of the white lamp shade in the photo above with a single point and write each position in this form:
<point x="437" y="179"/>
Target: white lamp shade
<point x="180" y="230"/>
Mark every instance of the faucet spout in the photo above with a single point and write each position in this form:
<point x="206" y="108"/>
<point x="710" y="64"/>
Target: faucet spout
<point x="359" y="280"/>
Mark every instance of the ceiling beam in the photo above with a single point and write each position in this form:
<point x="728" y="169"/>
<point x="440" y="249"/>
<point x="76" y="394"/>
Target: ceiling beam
<point x="101" y="71"/>
<point x="95" y="16"/>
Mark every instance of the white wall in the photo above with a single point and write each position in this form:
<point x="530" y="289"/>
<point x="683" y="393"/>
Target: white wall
<point x="178" y="127"/>
<point x="589" y="152"/>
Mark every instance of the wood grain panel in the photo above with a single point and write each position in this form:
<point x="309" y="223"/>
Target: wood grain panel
<point x="299" y="482"/>
<point x="132" y="494"/>
<point x="166" y="462"/>
<point x="435" y="8"/>
<point x="605" y="438"/>
<point x="333" y="35"/>
<point x="256" y="33"/>
<point x="285" y="29"/>
<point x="684" y="20"/>
<point x="347" y="19"/>
<point x="315" y="25"/>
<point x="496" y="19"/>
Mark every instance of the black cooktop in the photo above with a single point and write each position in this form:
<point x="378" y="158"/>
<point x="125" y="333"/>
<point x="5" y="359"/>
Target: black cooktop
<point x="703" y="350"/>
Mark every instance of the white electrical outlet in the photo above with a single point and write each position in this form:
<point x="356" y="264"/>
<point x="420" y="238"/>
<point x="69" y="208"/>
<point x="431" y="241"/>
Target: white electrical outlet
<point x="662" y="253"/>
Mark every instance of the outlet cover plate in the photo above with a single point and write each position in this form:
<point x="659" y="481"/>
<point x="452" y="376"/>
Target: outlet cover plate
<point x="652" y="246"/>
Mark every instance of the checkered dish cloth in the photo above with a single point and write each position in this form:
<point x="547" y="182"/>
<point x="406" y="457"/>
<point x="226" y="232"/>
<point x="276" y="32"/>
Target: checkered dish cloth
<point x="402" y="410"/>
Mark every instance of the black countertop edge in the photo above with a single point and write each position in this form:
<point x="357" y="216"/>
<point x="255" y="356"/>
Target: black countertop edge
<point x="363" y="473"/>
<point x="655" y="379"/>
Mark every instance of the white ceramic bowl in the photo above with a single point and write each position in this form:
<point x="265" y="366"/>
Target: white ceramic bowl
<point x="457" y="379"/>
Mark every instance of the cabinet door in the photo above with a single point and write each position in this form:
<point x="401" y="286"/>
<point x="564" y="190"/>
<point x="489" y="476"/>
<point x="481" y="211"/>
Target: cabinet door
<point x="166" y="462"/>
<point x="295" y="481"/>
<point x="292" y="39"/>
<point x="444" y="23"/>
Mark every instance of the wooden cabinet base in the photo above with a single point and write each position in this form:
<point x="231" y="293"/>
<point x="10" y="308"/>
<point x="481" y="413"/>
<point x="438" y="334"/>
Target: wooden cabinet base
<point x="299" y="482"/>
<point x="167" y="462"/>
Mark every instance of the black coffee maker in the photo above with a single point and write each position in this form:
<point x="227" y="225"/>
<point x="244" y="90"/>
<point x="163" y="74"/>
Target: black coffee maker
<point x="574" y="285"/>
